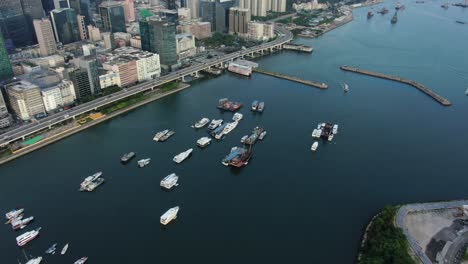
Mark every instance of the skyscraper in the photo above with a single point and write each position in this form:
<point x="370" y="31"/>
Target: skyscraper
<point x="194" y="6"/>
<point x="82" y="27"/>
<point x="81" y="84"/>
<point x="32" y="9"/>
<point x="13" y="23"/>
<point x="45" y="36"/>
<point x="89" y="64"/>
<point x="65" y="25"/>
<point x="5" y="118"/>
<point x="158" y="36"/>
<point x="112" y="16"/>
<point x="238" y="20"/>
<point x="6" y="72"/>
<point x="208" y="12"/>
<point x="82" y="7"/>
<point x="222" y="15"/>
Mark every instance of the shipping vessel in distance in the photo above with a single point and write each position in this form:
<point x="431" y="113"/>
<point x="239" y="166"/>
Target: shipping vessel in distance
<point x="34" y="260"/>
<point x="169" y="215"/>
<point x="91" y="182"/>
<point x="226" y="105"/>
<point x="14" y="213"/>
<point x="143" y="162"/>
<point x="21" y="223"/>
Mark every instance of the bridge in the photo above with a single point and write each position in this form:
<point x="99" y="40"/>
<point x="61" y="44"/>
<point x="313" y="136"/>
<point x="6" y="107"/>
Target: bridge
<point x="283" y="36"/>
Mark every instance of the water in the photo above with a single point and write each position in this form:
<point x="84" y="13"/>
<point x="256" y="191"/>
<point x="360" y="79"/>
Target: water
<point x="289" y="205"/>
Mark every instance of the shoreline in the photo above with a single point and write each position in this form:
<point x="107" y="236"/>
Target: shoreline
<point x="72" y="131"/>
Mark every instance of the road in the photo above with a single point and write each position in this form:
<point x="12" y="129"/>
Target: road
<point x="284" y="36"/>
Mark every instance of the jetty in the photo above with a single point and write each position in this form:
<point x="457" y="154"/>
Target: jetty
<point x="441" y="100"/>
<point x="296" y="47"/>
<point x="293" y="79"/>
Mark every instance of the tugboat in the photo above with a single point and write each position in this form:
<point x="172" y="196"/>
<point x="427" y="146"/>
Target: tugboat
<point x="394" y="18"/>
<point x="370" y="14"/>
<point x="169" y="215"/>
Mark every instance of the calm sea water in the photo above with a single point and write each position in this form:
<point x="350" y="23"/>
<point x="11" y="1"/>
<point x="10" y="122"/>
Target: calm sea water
<point x="288" y="205"/>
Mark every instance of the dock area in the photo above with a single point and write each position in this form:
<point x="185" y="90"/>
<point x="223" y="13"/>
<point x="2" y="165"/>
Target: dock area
<point x="296" y="47"/>
<point x="293" y="79"/>
<point x="417" y="85"/>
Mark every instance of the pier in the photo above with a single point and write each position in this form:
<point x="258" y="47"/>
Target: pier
<point x="441" y="100"/>
<point x="296" y="47"/>
<point x="293" y="79"/>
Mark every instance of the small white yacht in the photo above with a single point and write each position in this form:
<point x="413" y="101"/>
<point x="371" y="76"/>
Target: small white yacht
<point x="160" y="134"/>
<point x="237" y="117"/>
<point x="169" y="215"/>
<point x="262" y="135"/>
<point x="169" y="181"/>
<point x="244" y="138"/>
<point x="335" y="129"/>
<point x="314" y="146"/>
<point x="182" y="156"/>
<point x="201" y="123"/>
<point x="143" y="162"/>
<point x="215" y="123"/>
<point x="203" y="142"/>
<point x="229" y="127"/>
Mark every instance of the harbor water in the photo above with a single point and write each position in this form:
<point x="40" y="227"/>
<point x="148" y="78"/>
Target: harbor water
<point x="288" y="205"/>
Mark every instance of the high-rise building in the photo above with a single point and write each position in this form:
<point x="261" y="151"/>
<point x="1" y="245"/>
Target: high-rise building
<point x="200" y="30"/>
<point x="222" y="15"/>
<point x="109" y="41"/>
<point x="158" y="36"/>
<point x="61" y="4"/>
<point x="82" y="27"/>
<point x="171" y="5"/>
<point x="25" y="99"/>
<point x="65" y="25"/>
<point x="32" y="9"/>
<point x="262" y="7"/>
<point x="89" y="64"/>
<point x="6" y="72"/>
<point x="208" y="12"/>
<point x="194" y="6"/>
<point x="45" y="36"/>
<point x="94" y="33"/>
<point x="185" y="46"/>
<point x="238" y="20"/>
<point x="14" y="24"/>
<point x="278" y="6"/>
<point x="80" y="80"/>
<point x="5" y="118"/>
<point x="82" y="7"/>
<point x="112" y="16"/>
<point x="260" y="30"/>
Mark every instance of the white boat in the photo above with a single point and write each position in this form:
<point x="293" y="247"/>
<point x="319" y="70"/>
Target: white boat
<point x="201" y="123"/>
<point x="229" y="127"/>
<point x="143" y="162"/>
<point x="335" y="129"/>
<point x="81" y="260"/>
<point x="160" y="134"/>
<point x="21" y="223"/>
<point x="314" y="146"/>
<point x="466" y="91"/>
<point x="64" y="249"/>
<point x="14" y="213"/>
<point x="26" y="237"/>
<point x="215" y="123"/>
<point x="169" y="181"/>
<point x="169" y="215"/>
<point x="237" y="117"/>
<point x="34" y="260"/>
<point x="244" y="138"/>
<point x="88" y="180"/>
<point x="316" y="133"/>
<point x="182" y="156"/>
<point x="346" y="87"/>
<point x="330" y="137"/>
<point x="262" y="135"/>
<point x="203" y="142"/>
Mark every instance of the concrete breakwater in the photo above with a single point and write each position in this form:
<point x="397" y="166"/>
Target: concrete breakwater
<point x="417" y="85"/>
<point x="293" y="79"/>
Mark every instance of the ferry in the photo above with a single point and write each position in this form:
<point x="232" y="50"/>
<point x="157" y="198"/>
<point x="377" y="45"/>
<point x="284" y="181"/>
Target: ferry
<point x="89" y="179"/>
<point x="127" y="157"/>
<point x="203" y="142"/>
<point x="169" y="181"/>
<point x="335" y="129"/>
<point x="262" y="135"/>
<point x="169" y="215"/>
<point x="64" y="249"/>
<point x="81" y="260"/>
<point x="235" y="152"/>
<point x="167" y="136"/>
<point x="143" y="162"/>
<point x="201" y="123"/>
<point x="182" y="156"/>
<point x="215" y="123"/>
<point x="229" y="127"/>
<point x="51" y="249"/>
<point x="34" y="260"/>
<point x="226" y="105"/>
<point x="237" y="117"/>
<point x="26" y="237"/>
<point x="261" y="106"/>
<point x="21" y="223"/>
<point x="158" y="135"/>
<point x="314" y="146"/>
<point x="254" y="105"/>
<point x="14" y="213"/>
<point x="242" y="159"/>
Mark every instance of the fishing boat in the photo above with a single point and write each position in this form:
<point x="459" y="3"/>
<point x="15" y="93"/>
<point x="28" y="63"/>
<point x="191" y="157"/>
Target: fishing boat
<point x="345" y="87"/>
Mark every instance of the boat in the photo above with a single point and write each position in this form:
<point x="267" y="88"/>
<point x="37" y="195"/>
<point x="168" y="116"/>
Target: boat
<point x="182" y="156"/>
<point x="169" y="215"/>
<point x="255" y="135"/>
<point x="235" y="152"/>
<point x="383" y="11"/>
<point x="466" y="91"/>
<point x="27" y="237"/>
<point x="419" y="2"/>
<point x="316" y="133"/>
<point x="398" y="6"/>
<point x="242" y="159"/>
<point x="34" y="260"/>
<point x="445" y="6"/>
<point x="21" y="223"/>
<point x="201" y="123"/>
<point x="394" y="19"/>
<point x="335" y="129"/>
<point x="370" y="14"/>
<point x="326" y="130"/>
<point x="203" y="142"/>
<point x="226" y="105"/>
<point x="262" y="135"/>
<point x="160" y="134"/>
<point x="89" y="179"/>
<point x="460" y="22"/>
<point x="143" y="162"/>
<point x="237" y="117"/>
<point x="93" y="185"/>
<point x="345" y="87"/>
<point x="218" y="132"/>
<point x="64" y="249"/>
<point x="169" y="181"/>
<point x="81" y="260"/>
<point x="229" y="127"/>
<point x="167" y="136"/>
<point x="261" y="106"/>
<point x="215" y="123"/>
<point x="314" y="146"/>
<point x="330" y="137"/>
<point x="127" y="157"/>
<point x="14" y="213"/>
<point x="254" y="105"/>
<point x="244" y="138"/>
<point x="51" y="249"/>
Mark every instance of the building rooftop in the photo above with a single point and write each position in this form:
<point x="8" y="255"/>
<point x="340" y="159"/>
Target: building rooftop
<point x="110" y="4"/>
<point x="44" y="78"/>
<point x="127" y="54"/>
<point x="21" y="85"/>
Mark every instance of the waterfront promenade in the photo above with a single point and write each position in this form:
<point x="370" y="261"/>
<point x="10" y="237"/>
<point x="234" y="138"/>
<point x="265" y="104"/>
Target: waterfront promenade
<point x="417" y="85"/>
